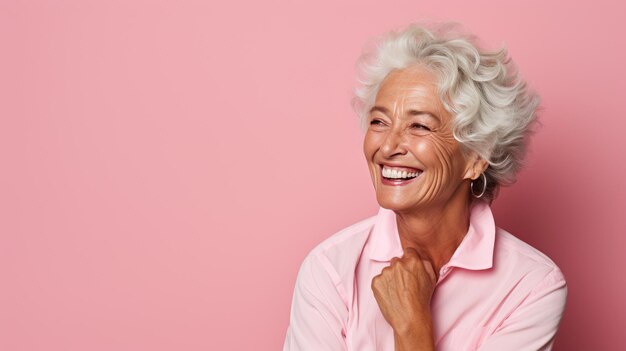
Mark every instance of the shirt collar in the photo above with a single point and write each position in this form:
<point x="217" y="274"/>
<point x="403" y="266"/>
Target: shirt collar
<point x="475" y="251"/>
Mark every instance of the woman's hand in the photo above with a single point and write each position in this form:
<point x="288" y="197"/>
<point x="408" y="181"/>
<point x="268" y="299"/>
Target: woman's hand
<point x="403" y="291"/>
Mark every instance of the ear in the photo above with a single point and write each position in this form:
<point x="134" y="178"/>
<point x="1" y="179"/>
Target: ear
<point x="475" y="166"/>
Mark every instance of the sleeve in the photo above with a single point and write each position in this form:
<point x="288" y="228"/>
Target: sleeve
<point x="533" y="325"/>
<point x="318" y="312"/>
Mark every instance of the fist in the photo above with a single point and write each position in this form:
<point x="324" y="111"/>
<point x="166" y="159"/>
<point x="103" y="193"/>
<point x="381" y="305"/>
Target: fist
<point x="403" y="290"/>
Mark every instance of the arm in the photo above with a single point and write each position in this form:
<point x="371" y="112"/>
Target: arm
<point x="318" y="311"/>
<point x="533" y="325"/>
<point x="417" y="339"/>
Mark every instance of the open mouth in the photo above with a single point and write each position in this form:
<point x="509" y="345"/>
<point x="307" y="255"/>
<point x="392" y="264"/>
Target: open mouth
<point x="398" y="174"/>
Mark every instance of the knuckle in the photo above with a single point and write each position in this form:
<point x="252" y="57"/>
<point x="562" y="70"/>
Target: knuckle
<point x="375" y="281"/>
<point x="410" y="252"/>
<point x="414" y="259"/>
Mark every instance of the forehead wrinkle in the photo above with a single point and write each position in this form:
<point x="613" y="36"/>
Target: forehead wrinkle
<point x="407" y="90"/>
<point x="398" y="104"/>
<point x="412" y="99"/>
<point x="401" y="99"/>
<point x="419" y="96"/>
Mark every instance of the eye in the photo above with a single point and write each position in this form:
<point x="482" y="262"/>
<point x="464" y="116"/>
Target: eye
<point x="419" y="126"/>
<point x="376" y="122"/>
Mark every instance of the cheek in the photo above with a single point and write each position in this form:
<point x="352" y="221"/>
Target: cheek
<point x="369" y="149"/>
<point x="439" y="153"/>
<point x="369" y="145"/>
<point x="451" y="157"/>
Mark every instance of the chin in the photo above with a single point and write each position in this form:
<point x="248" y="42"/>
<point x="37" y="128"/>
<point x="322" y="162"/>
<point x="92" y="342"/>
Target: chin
<point x="397" y="205"/>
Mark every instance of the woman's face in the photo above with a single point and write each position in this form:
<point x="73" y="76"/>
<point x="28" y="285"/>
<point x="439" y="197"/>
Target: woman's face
<point x="410" y="131"/>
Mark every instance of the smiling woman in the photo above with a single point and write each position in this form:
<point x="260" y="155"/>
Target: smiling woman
<point x="446" y="124"/>
<point x="405" y="137"/>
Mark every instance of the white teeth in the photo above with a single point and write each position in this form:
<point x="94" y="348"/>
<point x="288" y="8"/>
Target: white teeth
<point x="393" y="173"/>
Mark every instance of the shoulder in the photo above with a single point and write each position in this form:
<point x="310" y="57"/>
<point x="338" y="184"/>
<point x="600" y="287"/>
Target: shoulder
<point x="515" y="255"/>
<point x="349" y="240"/>
<point x="337" y="256"/>
<point x="521" y="251"/>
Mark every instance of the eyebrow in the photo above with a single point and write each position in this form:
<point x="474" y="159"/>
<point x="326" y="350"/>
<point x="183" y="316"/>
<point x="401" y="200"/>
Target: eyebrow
<point x="409" y="112"/>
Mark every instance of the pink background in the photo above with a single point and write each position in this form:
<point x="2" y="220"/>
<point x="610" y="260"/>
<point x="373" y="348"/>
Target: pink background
<point x="167" y="165"/>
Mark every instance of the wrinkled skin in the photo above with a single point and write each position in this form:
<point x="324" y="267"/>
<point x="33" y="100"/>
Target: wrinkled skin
<point x="403" y="291"/>
<point x="410" y="127"/>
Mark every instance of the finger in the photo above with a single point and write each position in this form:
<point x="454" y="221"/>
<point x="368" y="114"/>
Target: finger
<point x="412" y="256"/>
<point x="410" y="251"/>
<point x="428" y="266"/>
<point x="374" y="283"/>
<point x="385" y="271"/>
<point x="394" y="259"/>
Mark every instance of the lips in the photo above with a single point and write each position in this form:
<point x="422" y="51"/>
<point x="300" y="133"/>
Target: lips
<point x="398" y="175"/>
<point x="396" y="172"/>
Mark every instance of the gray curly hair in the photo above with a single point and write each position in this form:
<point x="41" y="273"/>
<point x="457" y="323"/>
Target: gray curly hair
<point x="494" y="110"/>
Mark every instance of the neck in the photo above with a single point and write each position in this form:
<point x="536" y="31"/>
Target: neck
<point x="435" y="232"/>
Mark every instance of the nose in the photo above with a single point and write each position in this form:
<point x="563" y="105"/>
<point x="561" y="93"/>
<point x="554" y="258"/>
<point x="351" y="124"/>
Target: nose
<point x="394" y="143"/>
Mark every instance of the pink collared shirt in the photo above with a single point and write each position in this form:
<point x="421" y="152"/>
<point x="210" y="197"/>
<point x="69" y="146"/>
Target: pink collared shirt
<point x="496" y="293"/>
